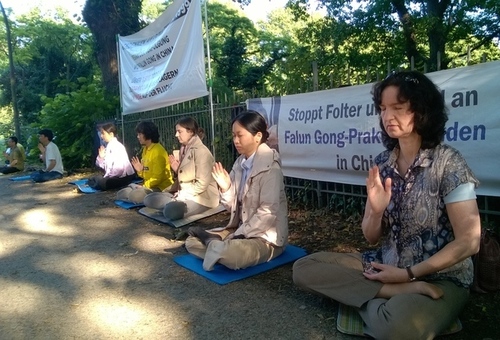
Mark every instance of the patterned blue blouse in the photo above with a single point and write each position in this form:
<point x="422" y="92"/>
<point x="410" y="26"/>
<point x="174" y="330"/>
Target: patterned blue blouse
<point x="415" y="224"/>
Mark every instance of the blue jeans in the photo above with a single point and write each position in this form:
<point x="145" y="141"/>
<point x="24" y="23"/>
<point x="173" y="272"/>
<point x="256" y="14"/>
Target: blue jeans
<point x="43" y="176"/>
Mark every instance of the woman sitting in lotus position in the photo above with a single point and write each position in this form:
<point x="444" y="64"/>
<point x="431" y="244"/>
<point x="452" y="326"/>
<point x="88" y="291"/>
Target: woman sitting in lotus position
<point x="194" y="190"/>
<point x="254" y="193"/>
<point x="421" y="209"/>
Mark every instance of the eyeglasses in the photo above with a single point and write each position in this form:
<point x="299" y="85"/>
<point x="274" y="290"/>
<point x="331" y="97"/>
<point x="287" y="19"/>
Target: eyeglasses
<point x="399" y="75"/>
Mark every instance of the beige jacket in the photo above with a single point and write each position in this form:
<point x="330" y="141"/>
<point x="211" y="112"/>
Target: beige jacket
<point x="264" y="206"/>
<point x="194" y="176"/>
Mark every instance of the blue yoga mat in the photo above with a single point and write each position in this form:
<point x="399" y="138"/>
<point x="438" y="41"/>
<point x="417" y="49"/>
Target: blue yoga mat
<point x="223" y="275"/>
<point x="79" y="181"/>
<point x="128" y="205"/>
<point x="83" y="186"/>
<point x="20" y="178"/>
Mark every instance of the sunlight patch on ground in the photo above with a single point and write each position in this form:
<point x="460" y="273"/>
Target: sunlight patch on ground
<point x="118" y="318"/>
<point x="31" y="294"/>
<point x="154" y="244"/>
<point x="10" y="245"/>
<point x="41" y="221"/>
<point x="94" y="266"/>
<point x="126" y="317"/>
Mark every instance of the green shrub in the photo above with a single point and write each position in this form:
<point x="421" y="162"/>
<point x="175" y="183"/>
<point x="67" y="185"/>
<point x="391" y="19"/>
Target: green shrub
<point x="72" y="118"/>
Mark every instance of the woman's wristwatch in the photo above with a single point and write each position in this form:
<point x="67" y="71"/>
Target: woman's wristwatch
<point x="411" y="276"/>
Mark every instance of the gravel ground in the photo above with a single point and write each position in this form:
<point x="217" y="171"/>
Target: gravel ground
<point x="75" y="266"/>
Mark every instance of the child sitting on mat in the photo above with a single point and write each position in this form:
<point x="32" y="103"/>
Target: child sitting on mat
<point x="194" y="190"/>
<point x="153" y="167"/>
<point x="254" y="193"/>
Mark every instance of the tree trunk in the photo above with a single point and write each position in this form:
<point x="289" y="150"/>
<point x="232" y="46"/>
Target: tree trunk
<point x="13" y="85"/>
<point x="408" y="33"/>
<point x="106" y="19"/>
<point x="436" y="33"/>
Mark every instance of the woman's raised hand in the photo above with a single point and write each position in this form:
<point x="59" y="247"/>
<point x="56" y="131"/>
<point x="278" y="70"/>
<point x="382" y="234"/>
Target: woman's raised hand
<point x="174" y="163"/>
<point x="102" y="151"/>
<point x="379" y="195"/>
<point x="221" y="177"/>
<point x="136" y="163"/>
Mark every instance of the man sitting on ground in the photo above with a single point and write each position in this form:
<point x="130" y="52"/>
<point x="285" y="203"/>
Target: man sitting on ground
<point x="15" y="158"/>
<point x="51" y="156"/>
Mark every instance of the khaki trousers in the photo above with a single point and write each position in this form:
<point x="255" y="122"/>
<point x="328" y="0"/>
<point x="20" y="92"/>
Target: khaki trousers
<point x="133" y="193"/>
<point x="405" y="316"/>
<point x="234" y="254"/>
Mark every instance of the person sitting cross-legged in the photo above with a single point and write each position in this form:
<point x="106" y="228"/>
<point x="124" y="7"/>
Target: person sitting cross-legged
<point x="254" y="193"/>
<point x="421" y="210"/>
<point x="153" y="167"/>
<point x="113" y="159"/>
<point x="15" y="158"/>
<point x="194" y="190"/>
<point x="51" y="157"/>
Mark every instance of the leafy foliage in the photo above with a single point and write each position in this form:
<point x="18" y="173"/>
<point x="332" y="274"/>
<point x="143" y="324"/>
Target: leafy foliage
<point x="72" y="118"/>
<point x="423" y="28"/>
<point x="50" y="54"/>
<point x="357" y="42"/>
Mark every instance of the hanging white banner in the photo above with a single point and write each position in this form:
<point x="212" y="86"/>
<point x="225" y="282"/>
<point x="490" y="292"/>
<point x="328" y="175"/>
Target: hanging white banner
<point x="334" y="135"/>
<point x="163" y="64"/>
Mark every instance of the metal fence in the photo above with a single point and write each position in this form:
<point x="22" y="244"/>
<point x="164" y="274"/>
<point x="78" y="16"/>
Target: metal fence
<point x="342" y="198"/>
<point x="166" y="118"/>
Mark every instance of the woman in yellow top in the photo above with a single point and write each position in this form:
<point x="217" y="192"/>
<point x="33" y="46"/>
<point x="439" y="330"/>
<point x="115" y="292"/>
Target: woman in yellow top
<point x="153" y="167"/>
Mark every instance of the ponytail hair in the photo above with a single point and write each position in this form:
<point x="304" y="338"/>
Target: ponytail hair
<point x="191" y="124"/>
<point x="253" y="122"/>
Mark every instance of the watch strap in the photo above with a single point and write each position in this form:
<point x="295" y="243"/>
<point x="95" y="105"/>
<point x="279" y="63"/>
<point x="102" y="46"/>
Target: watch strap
<point x="411" y="276"/>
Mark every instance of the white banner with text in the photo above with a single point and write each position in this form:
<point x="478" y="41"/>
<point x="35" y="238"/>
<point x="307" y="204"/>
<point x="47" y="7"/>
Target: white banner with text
<point x="163" y="64"/>
<point x="334" y="135"/>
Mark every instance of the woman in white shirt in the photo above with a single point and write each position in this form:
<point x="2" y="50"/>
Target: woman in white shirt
<point x="113" y="159"/>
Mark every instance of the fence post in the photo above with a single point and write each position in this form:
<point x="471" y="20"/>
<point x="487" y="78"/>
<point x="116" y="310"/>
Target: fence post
<point x="318" y="193"/>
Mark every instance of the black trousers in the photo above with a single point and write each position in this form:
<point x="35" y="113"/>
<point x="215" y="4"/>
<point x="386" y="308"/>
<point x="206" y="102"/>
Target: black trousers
<point x="99" y="182"/>
<point x="8" y="170"/>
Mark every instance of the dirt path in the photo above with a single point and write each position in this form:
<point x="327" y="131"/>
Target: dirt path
<point x="75" y="266"/>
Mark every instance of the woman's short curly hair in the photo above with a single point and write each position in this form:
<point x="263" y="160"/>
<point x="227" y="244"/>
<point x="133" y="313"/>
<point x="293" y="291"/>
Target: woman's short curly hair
<point x="149" y="130"/>
<point x="426" y="102"/>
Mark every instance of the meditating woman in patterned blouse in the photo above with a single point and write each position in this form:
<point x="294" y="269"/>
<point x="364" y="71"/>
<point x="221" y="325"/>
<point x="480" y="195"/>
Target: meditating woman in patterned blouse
<point x="421" y="209"/>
